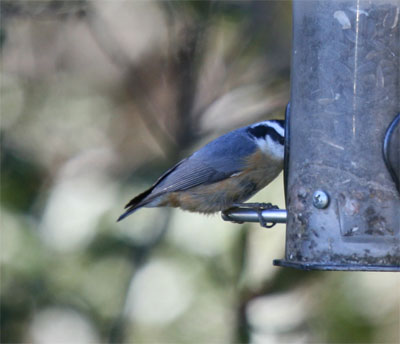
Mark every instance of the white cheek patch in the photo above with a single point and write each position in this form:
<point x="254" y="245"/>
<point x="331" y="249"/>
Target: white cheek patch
<point x="263" y="145"/>
<point x="275" y="148"/>
<point x="270" y="147"/>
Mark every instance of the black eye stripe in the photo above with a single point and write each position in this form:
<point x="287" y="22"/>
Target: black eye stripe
<point x="261" y="131"/>
<point x="276" y="136"/>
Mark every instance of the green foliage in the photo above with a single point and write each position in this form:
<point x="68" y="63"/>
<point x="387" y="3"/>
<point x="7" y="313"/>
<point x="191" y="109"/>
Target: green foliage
<point x="21" y="180"/>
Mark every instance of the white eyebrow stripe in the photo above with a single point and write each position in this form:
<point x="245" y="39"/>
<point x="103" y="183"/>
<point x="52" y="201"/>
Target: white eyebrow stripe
<point x="277" y="127"/>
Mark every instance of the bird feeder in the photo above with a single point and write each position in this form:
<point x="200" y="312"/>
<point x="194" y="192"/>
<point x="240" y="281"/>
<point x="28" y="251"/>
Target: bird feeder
<point x="342" y="154"/>
<point x="343" y="206"/>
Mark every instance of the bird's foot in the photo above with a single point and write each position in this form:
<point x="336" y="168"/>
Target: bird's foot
<point x="227" y="217"/>
<point x="258" y="208"/>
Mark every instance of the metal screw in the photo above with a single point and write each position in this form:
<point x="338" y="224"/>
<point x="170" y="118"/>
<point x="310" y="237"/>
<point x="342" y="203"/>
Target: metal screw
<point x="320" y="199"/>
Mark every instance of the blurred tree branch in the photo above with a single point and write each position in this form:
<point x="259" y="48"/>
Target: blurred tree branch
<point x="136" y="85"/>
<point x="42" y="9"/>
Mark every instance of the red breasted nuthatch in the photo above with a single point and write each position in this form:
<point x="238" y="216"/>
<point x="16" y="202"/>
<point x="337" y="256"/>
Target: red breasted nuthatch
<point x="222" y="174"/>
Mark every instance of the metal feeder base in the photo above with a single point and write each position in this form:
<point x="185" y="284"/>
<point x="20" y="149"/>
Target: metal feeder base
<point x="338" y="267"/>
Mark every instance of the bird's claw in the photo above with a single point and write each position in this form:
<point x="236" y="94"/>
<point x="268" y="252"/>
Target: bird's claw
<point x="226" y="216"/>
<point x="258" y="208"/>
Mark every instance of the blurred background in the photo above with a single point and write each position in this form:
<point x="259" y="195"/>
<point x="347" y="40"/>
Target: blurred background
<point x="98" y="98"/>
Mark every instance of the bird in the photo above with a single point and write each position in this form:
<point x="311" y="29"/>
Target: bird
<point x="222" y="174"/>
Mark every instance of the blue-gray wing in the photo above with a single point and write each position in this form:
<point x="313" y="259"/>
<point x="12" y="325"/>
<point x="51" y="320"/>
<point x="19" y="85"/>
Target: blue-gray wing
<point x="216" y="161"/>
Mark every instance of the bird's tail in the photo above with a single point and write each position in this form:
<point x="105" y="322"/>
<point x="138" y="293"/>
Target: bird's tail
<point x="127" y="213"/>
<point x="135" y="204"/>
